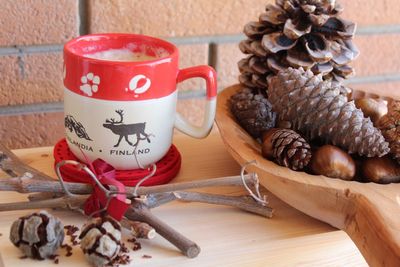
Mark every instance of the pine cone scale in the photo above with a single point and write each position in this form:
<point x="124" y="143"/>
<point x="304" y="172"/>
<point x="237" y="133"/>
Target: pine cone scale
<point x="292" y="32"/>
<point x="274" y="14"/>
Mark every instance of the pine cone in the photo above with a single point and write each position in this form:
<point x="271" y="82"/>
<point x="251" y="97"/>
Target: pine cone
<point x="316" y="108"/>
<point x="390" y="127"/>
<point x="253" y="111"/>
<point x="298" y="33"/>
<point x="287" y="148"/>
<point x="38" y="235"/>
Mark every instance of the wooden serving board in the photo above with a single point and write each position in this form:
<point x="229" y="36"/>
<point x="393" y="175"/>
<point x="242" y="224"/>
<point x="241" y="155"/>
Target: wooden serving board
<point x="227" y="236"/>
<point x="369" y="213"/>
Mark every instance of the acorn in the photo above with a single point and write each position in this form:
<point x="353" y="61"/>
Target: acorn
<point x="372" y="108"/>
<point x="383" y="170"/>
<point x="333" y="162"/>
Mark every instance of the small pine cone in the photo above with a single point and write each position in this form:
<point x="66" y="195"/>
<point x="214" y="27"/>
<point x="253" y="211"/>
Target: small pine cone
<point x="253" y="111"/>
<point x="390" y="127"/>
<point x="287" y="148"/>
<point x="101" y="240"/>
<point x="317" y="109"/>
<point x="38" y="235"/>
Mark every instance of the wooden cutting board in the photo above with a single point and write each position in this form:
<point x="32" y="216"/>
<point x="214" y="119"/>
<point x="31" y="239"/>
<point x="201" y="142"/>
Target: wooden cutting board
<point x="227" y="236"/>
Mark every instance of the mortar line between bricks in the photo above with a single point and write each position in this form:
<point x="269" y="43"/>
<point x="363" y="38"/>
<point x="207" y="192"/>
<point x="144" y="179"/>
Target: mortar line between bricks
<point x="378" y="29"/>
<point x="195" y="93"/>
<point x="216" y="39"/>
<point x="384" y="78"/>
<point x="9" y="51"/>
<point x="187" y="40"/>
<point x="30" y="49"/>
<point x="31" y="109"/>
<point x="83" y="15"/>
<point x="212" y="55"/>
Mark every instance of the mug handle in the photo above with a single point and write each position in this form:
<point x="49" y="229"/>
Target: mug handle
<point x="210" y="76"/>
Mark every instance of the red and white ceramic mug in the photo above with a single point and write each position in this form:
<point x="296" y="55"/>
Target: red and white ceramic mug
<point x="114" y="109"/>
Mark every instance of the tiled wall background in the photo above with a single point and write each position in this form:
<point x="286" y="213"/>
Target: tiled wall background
<point x="32" y="33"/>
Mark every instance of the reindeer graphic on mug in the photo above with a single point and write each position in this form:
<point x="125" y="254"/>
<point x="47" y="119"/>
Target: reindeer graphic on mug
<point x="125" y="130"/>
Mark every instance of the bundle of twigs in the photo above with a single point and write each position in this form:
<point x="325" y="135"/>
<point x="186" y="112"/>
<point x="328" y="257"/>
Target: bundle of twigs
<point x="46" y="192"/>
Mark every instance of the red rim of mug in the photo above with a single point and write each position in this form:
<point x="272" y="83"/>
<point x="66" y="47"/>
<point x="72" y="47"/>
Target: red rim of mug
<point x="71" y="47"/>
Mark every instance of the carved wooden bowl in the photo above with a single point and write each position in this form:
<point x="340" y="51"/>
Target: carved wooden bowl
<point x="369" y="213"/>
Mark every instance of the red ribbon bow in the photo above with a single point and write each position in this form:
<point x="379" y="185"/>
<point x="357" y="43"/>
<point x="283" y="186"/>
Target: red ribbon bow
<point x="117" y="205"/>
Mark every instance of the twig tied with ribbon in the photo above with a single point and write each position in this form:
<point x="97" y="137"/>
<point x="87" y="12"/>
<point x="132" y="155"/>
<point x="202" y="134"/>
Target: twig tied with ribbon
<point x="134" y="203"/>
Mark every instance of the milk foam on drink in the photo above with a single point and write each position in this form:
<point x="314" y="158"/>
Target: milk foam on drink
<point x="123" y="54"/>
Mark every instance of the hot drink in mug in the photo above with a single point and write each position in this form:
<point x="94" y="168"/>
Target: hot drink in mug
<point x="123" y="54"/>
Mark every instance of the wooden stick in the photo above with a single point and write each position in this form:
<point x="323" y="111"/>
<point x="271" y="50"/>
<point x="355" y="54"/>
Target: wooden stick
<point x="155" y="200"/>
<point x="223" y="181"/>
<point x="139" y="212"/>
<point x="139" y="229"/>
<point x="43" y="196"/>
<point x="62" y="202"/>
<point x="26" y="184"/>
<point x="246" y="203"/>
<point x="14" y="167"/>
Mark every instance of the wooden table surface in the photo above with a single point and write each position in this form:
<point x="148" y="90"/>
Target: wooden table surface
<point x="227" y="236"/>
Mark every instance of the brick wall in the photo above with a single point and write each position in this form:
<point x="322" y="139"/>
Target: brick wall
<point x="32" y="33"/>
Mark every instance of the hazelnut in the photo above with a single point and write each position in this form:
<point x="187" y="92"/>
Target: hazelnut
<point x="284" y="124"/>
<point x="381" y="170"/>
<point x="267" y="146"/>
<point x="333" y="162"/>
<point x="373" y="108"/>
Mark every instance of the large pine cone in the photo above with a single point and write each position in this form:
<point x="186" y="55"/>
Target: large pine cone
<point x="287" y="148"/>
<point x="253" y="111"/>
<point x="298" y="33"/>
<point x="390" y="127"/>
<point x="316" y="108"/>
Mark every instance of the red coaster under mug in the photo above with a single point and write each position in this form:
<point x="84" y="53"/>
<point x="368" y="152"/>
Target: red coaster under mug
<point x="167" y="168"/>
